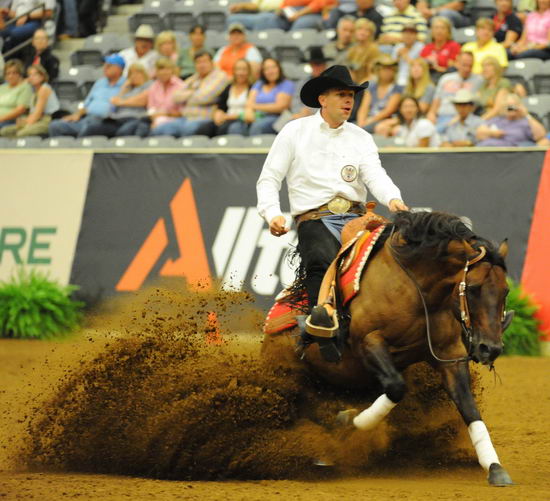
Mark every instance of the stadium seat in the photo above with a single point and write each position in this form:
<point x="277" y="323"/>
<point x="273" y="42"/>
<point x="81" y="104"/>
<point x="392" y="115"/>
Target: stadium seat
<point x="86" y="87"/>
<point x="60" y="142"/>
<point x="288" y="53"/>
<point x="194" y="142"/>
<point x="28" y="142"/>
<point x="215" y="39"/>
<point x="161" y="142"/>
<point x="153" y="19"/>
<point x="463" y="35"/>
<point x="383" y="141"/>
<point x="127" y="142"/>
<point x="213" y="19"/>
<point x="162" y="5"/>
<point x="538" y="104"/>
<point x="180" y="19"/>
<point x="88" y="57"/>
<point x="326" y="36"/>
<point x="227" y="141"/>
<point x="68" y="89"/>
<point x="305" y="38"/>
<point x="93" y="142"/>
<point x="106" y="42"/>
<point x="259" y="141"/>
<point x="482" y="8"/>
<point x="296" y="72"/>
<point x="522" y="71"/>
<point x="541" y="78"/>
<point x="267" y="38"/>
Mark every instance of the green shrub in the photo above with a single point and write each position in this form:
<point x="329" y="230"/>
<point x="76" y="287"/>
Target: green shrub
<point x="33" y="306"/>
<point x="522" y="337"/>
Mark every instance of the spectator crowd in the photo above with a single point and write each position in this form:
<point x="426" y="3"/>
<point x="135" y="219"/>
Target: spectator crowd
<point x="426" y="89"/>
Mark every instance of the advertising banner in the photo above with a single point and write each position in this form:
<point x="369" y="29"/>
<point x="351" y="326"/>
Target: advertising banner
<point x="41" y="201"/>
<point x="194" y="215"/>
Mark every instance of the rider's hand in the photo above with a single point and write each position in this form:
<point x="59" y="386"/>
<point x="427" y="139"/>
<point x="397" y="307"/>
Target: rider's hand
<point x="277" y="226"/>
<point x="397" y="205"/>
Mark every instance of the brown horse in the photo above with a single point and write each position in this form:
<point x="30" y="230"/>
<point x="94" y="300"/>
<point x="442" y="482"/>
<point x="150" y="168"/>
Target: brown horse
<point x="434" y="292"/>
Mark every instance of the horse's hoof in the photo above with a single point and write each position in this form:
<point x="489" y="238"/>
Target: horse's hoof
<point x="498" y="476"/>
<point x="345" y="418"/>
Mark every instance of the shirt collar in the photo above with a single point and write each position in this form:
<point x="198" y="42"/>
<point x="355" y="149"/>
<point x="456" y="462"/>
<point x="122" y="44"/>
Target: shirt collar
<point x="325" y="127"/>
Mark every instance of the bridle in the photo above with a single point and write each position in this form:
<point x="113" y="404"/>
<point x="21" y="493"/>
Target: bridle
<point x="465" y="319"/>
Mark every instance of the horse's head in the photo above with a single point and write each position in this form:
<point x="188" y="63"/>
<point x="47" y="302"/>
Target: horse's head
<point x="481" y="309"/>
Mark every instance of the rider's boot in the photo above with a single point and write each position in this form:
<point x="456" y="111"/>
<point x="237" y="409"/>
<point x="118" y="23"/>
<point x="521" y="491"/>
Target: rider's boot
<point x="322" y="326"/>
<point x="321" y="323"/>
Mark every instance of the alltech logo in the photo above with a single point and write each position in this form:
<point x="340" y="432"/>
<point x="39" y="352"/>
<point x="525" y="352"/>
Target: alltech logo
<point x="192" y="262"/>
<point x="244" y="253"/>
<point x="26" y="246"/>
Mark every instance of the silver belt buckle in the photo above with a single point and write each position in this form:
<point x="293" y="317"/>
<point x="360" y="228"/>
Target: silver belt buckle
<point x="339" y="205"/>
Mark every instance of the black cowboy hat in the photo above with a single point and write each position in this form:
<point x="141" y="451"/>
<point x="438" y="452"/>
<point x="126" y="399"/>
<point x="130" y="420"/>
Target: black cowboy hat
<point x="335" y="77"/>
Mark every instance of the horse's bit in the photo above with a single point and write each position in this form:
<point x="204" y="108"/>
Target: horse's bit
<point x="465" y="319"/>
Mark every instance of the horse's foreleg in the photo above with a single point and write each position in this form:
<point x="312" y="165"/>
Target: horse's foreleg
<point x="377" y="358"/>
<point x="456" y="379"/>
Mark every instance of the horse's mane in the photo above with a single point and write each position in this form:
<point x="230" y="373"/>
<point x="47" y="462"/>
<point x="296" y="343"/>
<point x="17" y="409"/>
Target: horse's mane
<point x="425" y="233"/>
<point x="431" y="232"/>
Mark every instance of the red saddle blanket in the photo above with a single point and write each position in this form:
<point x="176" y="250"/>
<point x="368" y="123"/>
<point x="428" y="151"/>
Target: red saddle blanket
<point x="282" y="315"/>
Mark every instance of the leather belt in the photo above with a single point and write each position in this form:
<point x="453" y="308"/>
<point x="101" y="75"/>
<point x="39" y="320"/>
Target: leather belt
<point x="338" y="205"/>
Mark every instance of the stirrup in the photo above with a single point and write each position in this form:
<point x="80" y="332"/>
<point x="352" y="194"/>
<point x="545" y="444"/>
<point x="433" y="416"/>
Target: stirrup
<point x="320" y="324"/>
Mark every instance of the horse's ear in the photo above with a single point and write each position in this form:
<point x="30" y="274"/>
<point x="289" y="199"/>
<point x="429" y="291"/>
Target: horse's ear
<point x="503" y="248"/>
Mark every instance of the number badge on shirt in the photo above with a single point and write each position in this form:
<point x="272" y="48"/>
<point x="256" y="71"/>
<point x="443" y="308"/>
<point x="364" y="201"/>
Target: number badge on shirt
<point x="349" y="173"/>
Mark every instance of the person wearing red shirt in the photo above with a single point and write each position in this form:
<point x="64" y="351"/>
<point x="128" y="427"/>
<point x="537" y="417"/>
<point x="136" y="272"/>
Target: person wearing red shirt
<point x="442" y="51"/>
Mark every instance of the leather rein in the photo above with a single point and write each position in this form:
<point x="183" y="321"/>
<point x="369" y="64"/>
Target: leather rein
<point x="465" y="319"/>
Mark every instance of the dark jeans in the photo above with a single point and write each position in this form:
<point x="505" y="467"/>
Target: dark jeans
<point x="317" y="248"/>
<point x="14" y="35"/>
<point x="120" y="127"/>
<point x="543" y="54"/>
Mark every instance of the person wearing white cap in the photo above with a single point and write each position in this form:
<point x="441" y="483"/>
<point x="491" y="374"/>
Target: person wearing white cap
<point x="461" y="131"/>
<point x="142" y="52"/>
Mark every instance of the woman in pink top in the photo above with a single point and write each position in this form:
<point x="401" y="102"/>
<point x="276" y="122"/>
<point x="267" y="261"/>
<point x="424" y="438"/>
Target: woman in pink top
<point x="158" y="98"/>
<point x="535" y="39"/>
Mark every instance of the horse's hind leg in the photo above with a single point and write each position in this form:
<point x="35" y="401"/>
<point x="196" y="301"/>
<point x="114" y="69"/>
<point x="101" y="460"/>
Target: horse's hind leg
<point x="377" y="358"/>
<point x="456" y="379"/>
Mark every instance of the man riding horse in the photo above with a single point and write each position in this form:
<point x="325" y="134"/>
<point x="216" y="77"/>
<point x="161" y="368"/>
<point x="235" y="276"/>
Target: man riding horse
<point x="328" y="164"/>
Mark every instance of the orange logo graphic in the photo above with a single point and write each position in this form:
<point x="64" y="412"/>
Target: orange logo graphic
<point x="192" y="263"/>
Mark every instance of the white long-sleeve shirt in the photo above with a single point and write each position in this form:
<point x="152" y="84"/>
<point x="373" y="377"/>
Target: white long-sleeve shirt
<point x="312" y="157"/>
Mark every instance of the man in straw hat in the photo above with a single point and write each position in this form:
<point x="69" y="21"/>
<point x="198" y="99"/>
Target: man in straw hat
<point x="461" y="131"/>
<point x="142" y="51"/>
<point x="328" y="164"/>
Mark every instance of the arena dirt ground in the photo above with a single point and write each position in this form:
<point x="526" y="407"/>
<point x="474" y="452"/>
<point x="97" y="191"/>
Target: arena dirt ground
<point x="148" y="413"/>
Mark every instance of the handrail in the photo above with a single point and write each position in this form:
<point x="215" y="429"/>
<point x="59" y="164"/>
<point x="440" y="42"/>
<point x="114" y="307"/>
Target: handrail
<point x="41" y="6"/>
<point x="27" y="42"/>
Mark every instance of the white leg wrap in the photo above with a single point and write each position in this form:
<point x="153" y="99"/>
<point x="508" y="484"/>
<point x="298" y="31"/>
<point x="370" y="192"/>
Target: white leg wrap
<point x="486" y="453"/>
<point x="370" y="418"/>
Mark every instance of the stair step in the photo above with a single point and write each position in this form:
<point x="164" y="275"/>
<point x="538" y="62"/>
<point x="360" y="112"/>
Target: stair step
<point x="127" y="9"/>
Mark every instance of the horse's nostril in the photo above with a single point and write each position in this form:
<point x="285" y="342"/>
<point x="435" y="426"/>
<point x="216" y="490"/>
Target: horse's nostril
<point x="484" y="350"/>
<point x="488" y="353"/>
